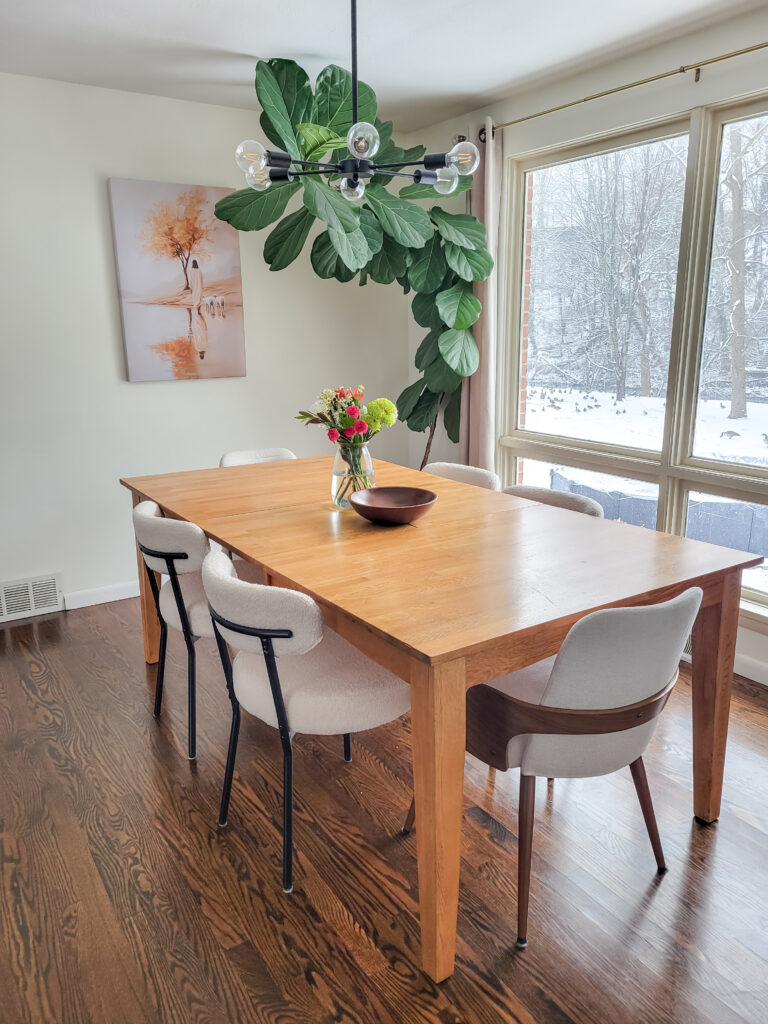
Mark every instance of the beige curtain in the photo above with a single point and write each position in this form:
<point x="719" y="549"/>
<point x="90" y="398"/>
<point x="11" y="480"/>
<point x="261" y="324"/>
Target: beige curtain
<point x="477" y="446"/>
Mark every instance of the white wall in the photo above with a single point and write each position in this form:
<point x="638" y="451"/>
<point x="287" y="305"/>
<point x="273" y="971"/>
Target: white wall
<point x="70" y="424"/>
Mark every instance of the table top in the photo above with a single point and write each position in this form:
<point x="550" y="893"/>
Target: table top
<point x="480" y="567"/>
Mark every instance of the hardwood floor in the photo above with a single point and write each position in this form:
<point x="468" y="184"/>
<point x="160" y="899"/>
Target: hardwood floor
<point x="120" y="900"/>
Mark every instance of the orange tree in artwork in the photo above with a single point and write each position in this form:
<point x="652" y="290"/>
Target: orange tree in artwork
<point x="176" y="231"/>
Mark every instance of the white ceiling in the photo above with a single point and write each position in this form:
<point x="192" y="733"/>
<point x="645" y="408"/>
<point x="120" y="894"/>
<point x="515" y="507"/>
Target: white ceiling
<point x="426" y="61"/>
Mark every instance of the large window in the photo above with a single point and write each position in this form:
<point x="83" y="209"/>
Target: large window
<point x="635" y="361"/>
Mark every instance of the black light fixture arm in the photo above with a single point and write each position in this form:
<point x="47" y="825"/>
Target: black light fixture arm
<point x="354" y="61"/>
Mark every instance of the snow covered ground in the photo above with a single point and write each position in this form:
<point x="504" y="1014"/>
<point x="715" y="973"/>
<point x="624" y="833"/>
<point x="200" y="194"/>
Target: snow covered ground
<point x="639" y="423"/>
<point x="641" y="426"/>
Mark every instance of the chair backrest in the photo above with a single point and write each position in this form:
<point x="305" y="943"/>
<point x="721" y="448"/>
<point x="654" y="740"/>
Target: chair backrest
<point x="250" y="456"/>
<point x="465" y="474"/>
<point x="611" y="659"/>
<point x="170" y="536"/>
<point x="257" y="607"/>
<point x="561" y="499"/>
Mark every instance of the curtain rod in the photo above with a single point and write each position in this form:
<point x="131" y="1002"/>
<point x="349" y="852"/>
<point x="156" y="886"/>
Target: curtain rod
<point x="632" y="85"/>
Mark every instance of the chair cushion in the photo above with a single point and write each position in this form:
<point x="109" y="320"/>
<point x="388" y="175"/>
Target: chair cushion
<point x="195" y="602"/>
<point x="330" y="690"/>
<point x="526" y="684"/>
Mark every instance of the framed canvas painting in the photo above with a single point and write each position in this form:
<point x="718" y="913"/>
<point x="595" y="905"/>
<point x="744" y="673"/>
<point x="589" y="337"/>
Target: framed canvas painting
<point x="178" y="270"/>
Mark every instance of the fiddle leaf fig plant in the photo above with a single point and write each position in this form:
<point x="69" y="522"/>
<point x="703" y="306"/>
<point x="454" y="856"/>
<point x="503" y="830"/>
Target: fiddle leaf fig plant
<point x="389" y="237"/>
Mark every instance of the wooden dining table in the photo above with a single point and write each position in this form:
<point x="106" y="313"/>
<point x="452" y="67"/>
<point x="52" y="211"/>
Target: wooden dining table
<point x="484" y="584"/>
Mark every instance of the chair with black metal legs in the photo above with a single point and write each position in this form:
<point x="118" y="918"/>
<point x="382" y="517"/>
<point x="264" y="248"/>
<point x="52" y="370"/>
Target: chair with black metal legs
<point x="324" y="685"/>
<point x="175" y="548"/>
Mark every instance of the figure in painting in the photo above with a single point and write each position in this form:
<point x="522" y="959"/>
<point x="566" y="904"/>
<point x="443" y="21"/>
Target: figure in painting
<point x="196" y="284"/>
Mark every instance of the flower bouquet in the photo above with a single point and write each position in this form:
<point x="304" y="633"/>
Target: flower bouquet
<point x="350" y="424"/>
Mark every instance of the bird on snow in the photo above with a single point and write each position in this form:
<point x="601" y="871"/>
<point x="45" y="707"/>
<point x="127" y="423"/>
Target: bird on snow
<point x="722" y="405"/>
<point x="730" y="434"/>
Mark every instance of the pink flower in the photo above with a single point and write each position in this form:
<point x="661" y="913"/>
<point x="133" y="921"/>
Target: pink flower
<point x="353" y="411"/>
<point x="361" y="427"/>
<point x="349" y="432"/>
<point x="333" y="434"/>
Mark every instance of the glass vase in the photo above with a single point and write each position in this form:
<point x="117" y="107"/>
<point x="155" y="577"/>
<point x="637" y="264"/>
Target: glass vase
<point x="352" y="471"/>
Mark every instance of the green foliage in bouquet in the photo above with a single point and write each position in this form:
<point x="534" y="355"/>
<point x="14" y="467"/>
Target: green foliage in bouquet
<point x="389" y="238"/>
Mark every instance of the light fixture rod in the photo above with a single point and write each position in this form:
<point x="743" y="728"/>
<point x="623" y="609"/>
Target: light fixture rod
<point x="354" y="61"/>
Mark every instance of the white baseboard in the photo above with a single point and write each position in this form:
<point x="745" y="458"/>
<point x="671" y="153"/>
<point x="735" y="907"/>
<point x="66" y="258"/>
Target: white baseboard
<point x="100" y="595"/>
<point x="752" y="668"/>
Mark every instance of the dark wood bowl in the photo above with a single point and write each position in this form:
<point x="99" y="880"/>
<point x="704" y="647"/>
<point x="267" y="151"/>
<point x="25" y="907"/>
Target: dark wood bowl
<point x="393" y="506"/>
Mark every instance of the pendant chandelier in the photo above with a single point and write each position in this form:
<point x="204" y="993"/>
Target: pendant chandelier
<point x="263" y="166"/>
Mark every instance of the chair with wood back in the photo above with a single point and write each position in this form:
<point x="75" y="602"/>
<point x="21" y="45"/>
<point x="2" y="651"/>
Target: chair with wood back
<point x="324" y="685"/>
<point x="560" y="499"/>
<point x="252" y="456"/>
<point x="465" y="474"/>
<point x="175" y="548"/>
<point x="588" y="711"/>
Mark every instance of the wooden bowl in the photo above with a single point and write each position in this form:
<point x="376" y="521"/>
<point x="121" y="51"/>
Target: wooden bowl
<point x="393" y="506"/>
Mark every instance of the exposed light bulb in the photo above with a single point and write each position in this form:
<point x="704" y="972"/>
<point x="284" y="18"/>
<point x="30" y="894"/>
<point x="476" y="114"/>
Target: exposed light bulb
<point x="465" y="156"/>
<point x="258" y="178"/>
<point x="363" y="140"/>
<point x="352" y="190"/>
<point x="251" y="153"/>
<point x="447" y="180"/>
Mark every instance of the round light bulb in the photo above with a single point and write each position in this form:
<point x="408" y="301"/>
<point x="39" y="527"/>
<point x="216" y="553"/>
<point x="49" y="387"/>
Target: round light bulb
<point x="352" y="190"/>
<point x="465" y="156"/>
<point x="363" y="140"/>
<point x="258" y="178"/>
<point x="251" y="153"/>
<point x="447" y="180"/>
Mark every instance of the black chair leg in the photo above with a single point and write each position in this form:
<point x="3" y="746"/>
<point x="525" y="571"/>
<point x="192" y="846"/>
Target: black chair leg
<point x="229" y="772"/>
<point x="347" y="747"/>
<point x="160" y="669"/>
<point x="191" y="702"/>
<point x="287" y="817"/>
<point x="640" y="780"/>
<point x="409" y="818"/>
<point x="524" y="846"/>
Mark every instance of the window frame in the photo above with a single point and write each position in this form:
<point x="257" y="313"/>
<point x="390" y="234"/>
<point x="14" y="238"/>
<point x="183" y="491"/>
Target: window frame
<point x="674" y="469"/>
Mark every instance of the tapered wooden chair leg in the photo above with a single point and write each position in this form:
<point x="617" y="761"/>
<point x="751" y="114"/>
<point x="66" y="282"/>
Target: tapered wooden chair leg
<point x="646" y="804"/>
<point x="524" y="845"/>
<point x="409" y="819"/>
<point x="347" y="747"/>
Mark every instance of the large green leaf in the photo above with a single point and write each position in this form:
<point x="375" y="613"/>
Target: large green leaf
<point x="427" y="352"/>
<point x="269" y="89"/>
<point x="318" y="140"/>
<point x="424" y="411"/>
<point x="408" y="398"/>
<point x="414" y="154"/>
<point x="425" y="311"/>
<point x="440" y="377"/>
<point x="428" y="266"/>
<point x="406" y="223"/>
<point x="270" y="131"/>
<point x="372" y="230"/>
<point x="471" y="264"/>
<point x="419" y="191"/>
<point x="329" y="205"/>
<point x="459" y="228"/>
<point x="389" y="262"/>
<point x="248" y="210"/>
<point x="333" y="100"/>
<point x="458" y="306"/>
<point x="326" y="262"/>
<point x="286" y="240"/>
<point x="351" y="246"/>
<point x="452" y="416"/>
<point x="459" y="350"/>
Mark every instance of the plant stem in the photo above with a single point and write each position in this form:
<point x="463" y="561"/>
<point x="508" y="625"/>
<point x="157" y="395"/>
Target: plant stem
<point x="427" y="450"/>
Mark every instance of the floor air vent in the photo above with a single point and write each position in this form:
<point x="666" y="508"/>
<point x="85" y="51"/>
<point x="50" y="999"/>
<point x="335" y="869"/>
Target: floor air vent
<point x="21" y="598"/>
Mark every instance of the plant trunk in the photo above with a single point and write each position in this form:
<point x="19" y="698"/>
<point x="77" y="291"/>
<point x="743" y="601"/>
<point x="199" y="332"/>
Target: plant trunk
<point x="427" y="450"/>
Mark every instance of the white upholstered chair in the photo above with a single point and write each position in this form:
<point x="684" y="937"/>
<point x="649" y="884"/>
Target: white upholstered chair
<point x="561" y="499"/>
<point x="590" y="710"/>
<point x="250" y="456"/>
<point x="293" y="673"/>
<point x="465" y="474"/>
<point x="176" y="549"/>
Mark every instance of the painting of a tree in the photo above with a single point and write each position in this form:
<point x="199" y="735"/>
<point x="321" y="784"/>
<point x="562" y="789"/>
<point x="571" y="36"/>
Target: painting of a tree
<point x="179" y="230"/>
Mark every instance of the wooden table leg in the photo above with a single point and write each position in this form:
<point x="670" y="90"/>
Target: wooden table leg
<point x="438" y="708"/>
<point x="150" y="624"/>
<point x="713" y="652"/>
